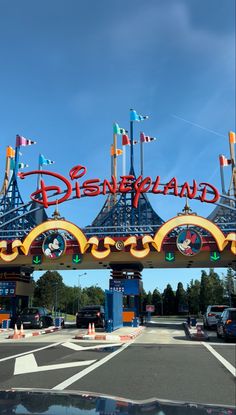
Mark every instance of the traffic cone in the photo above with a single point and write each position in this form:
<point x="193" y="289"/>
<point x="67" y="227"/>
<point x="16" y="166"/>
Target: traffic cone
<point x="93" y="329"/>
<point x="15" y="334"/>
<point x="89" y="329"/>
<point x="22" y="334"/>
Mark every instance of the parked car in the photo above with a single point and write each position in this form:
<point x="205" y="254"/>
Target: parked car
<point x="35" y="317"/>
<point x="226" y="326"/>
<point x="91" y="314"/>
<point x="213" y="312"/>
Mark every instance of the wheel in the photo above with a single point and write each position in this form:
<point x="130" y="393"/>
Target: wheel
<point x="218" y="335"/>
<point x="103" y="324"/>
<point x="41" y="324"/>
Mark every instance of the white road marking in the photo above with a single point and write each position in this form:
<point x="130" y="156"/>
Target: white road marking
<point x="85" y="372"/>
<point x="77" y="347"/>
<point x="28" y="364"/>
<point x="30" y="351"/>
<point x="218" y="356"/>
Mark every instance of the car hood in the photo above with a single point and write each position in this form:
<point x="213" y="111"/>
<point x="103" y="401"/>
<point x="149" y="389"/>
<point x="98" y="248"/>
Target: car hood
<point x="51" y="402"/>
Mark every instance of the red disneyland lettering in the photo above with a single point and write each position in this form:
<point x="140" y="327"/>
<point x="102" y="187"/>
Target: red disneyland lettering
<point x="186" y="191"/>
<point x="139" y="187"/>
<point x="129" y="183"/>
<point x="171" y="185"/>
<point x="126" y="181"/>
<point x="44" y="189"/>
<point x="204" y="192"/>
<point x="91" y="189"/>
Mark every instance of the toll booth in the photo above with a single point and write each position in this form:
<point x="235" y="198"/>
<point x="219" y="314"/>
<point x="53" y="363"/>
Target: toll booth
<point x="16" y="288"/>
<point x="113" y="310"/>
<point x="126" y="279"/>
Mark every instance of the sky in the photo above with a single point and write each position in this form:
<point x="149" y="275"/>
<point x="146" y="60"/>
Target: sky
<point x="70" y="69"/>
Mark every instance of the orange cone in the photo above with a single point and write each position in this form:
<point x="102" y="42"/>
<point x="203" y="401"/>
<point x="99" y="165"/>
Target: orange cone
<point x="15" y="334"/>
<point x="93" y="329"/>
<point x="89" y="329"/>
<point x="22" y="334"/>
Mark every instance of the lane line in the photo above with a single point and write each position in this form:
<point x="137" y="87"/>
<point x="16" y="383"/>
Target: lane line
<point x="85" y="372"/>
<point x="4" y="359"/>
<point x="222" y="360"/>
<point x="77" y="347"/>
<point x="28" y="364"/>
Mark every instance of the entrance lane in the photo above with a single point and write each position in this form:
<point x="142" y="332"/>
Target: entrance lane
<point x="174" y="372"/>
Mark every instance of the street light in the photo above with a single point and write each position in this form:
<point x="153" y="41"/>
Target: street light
<point x="80" y="275"/>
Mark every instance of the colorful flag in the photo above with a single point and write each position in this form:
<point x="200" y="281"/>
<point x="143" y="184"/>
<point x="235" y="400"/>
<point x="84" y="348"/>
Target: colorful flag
<point x="224" y="161"/>
<point x="118" y="130"/>
<point x="22" y="141"/>
<point x="145" y="138"/>
<point x="137" y="117"/>
<point x="232" y="137"/>
<point x="22" y="165"/>
<point x="43" y="160"/>
<point x="125" y="140"/>
<point x="118" y="151"/>
<point x="10" y="152"/>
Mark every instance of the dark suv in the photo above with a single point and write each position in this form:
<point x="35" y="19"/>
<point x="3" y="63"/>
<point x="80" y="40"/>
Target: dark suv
<point x="226" y="326"/>
<point x="35" y="317"/>
<point x="91" y="314"/>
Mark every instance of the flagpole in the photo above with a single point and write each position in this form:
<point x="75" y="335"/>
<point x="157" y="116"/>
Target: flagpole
<point x="115" y="155"/>
<point x="141" y="156"/>
<point x="131" y="148"/>
<point x="222" y="179"/>
<point x="39" y="175"/>
<point x="232" y="156"/>
<point x="123" y="160"/>
<point x="6" y="176"/>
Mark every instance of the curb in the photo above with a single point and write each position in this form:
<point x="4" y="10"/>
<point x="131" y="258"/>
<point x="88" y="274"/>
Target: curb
<point x="110" y="337"/>
<point x="195" y="333"/>
<point x="36" y="333"/>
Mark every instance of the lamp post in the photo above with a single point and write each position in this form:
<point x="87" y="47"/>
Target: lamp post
<point x="80" y="275"/>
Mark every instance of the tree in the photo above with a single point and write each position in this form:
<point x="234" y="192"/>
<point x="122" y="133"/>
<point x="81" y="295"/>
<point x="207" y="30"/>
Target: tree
<point x="157" y="301"/>
<point x="229" y="288"/>
<point x="168" y="300"/>
<point x="50" y="291"/>
<point x="180" y="299"/>
<point x="212" y="290"/>
<point x="193" y="296"/>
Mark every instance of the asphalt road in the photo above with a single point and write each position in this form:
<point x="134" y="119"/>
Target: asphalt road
<point x="160" y="363"/>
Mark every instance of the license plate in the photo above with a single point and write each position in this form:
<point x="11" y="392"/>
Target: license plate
<point x="26" y="322"/>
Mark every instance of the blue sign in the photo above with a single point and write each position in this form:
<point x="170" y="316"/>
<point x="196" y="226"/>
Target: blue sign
<point x="126" y="286"/>
<point x="7" y="288"/>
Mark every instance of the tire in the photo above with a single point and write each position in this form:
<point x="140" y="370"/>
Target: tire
<point x="41" y="325"/>
<point x="103" y="324"/>
<point x="218" y="335"/>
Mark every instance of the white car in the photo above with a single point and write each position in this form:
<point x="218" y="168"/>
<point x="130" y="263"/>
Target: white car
<point x="213" y="313"/>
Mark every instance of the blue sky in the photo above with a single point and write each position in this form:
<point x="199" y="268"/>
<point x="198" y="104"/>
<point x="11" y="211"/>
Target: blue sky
<point x="70" y="69"/>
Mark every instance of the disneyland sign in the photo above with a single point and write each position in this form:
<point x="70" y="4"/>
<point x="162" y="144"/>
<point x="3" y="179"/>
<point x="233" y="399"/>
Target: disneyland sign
<point x="76" y="188"/>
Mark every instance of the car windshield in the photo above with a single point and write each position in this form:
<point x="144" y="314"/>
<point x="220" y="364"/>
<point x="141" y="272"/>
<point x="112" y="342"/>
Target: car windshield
<point x="30" y="311"/>
<point x="118" y="203"/>
<point x="218" y="309"/>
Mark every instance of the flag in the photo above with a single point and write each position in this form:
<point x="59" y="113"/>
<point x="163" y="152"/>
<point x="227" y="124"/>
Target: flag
<point x="118" y="130"/>
<point x="10" y="152"/>
<point x="137" y="117"/>
<point x="22" y="165"/>
<point x="126" y="141"/>
<point x="224" y="161"/>
<point x="42" y="160"/>
<point x="22" y="141"/>
<point x="118" y="151"/>
<point x="145" y="138"/>
<point x="232" y="137"/>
